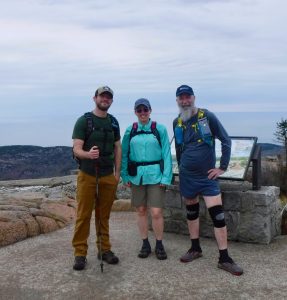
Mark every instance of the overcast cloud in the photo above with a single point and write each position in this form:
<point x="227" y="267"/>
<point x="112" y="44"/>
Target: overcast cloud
<point x="54" y="54"/>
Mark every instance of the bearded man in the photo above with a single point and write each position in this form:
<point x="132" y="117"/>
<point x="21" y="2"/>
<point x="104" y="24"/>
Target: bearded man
<point x="97" y="146"/>
<point x="195" y="131"/>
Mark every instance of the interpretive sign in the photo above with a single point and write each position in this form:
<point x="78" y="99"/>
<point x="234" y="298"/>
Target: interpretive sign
<point x="241" y="152"/>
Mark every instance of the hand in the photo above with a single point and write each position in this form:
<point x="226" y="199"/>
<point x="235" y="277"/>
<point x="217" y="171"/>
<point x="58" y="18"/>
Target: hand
<point x="214" y="173"/>
<point x="117" y="176"/>
<point x="94" y="153"/>
<point x="162" y="185"/>
<point x="128" y="184"/>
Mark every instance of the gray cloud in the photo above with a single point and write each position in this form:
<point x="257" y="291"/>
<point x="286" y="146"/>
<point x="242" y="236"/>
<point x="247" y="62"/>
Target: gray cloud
<point x="57" y="52"/>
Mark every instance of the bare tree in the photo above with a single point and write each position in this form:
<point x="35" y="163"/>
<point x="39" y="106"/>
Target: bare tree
<point x="281" y="135"/>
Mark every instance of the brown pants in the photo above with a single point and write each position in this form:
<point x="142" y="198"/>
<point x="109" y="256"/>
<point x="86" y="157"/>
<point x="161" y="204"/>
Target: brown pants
<point x="86" y="197"/>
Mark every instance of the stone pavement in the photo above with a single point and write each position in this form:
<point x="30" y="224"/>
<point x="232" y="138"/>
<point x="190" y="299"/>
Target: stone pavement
<point x="41" y="268"/>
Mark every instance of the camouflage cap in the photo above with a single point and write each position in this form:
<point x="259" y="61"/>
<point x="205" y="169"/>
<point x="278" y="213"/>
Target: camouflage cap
<point x="104" y="89"/>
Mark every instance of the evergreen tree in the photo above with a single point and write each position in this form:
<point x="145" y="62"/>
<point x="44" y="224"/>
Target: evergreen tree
<point x="281" y="135"/>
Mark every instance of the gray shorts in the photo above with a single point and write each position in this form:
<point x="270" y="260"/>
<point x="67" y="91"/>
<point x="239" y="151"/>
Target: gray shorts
<point x="149" y="195"/>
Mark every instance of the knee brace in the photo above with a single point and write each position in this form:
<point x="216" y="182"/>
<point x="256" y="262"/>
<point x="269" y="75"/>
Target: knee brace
<point x="217" y="216"/>
<point x="192" y="211"/>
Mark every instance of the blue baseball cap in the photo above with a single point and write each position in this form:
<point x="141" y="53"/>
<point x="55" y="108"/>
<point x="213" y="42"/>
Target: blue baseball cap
<point x="142" y="101"/>
<point x="184" y="89"/>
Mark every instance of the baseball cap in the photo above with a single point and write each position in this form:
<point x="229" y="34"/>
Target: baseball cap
<point x="104" y="89"/>
<point x="142" y="101"/>
<point x="184" y="89"/>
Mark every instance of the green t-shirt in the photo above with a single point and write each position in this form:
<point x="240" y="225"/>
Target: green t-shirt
<point x="103" y="136"/>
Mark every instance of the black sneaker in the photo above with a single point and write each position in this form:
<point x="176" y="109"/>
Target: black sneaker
<point x="144" y="252"/>
<point x="80" y="263"/>
<point x="109" y="257"/>
<point x="160" y="253"/>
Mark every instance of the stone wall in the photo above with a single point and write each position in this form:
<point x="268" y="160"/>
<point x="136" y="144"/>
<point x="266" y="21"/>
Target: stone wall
<point x="251" y="216"/>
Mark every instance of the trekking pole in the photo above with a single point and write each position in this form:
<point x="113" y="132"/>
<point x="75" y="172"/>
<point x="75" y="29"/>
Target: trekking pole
<point x="99" y="215"/>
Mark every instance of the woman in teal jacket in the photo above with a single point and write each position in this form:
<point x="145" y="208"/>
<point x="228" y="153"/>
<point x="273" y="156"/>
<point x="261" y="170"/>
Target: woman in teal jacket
<point x="147" y="169"/>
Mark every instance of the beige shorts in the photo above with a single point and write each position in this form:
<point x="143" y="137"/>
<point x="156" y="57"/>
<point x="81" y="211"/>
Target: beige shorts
<point x="150" y="195"/>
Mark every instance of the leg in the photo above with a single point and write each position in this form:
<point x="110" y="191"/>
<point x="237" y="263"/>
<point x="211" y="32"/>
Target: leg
<point x="142" y="213"/>
<point x="193" y="224"/>
<point x="214" y="205"/>
<point x="192" y="208"/>
<point x="86" y="188"/>
<point x="157" y="222"/>
<point x="142" y="221"/>
<point x="219" y="232"/>
<point x="106" y="197"/>
<point x="140" y="203"/>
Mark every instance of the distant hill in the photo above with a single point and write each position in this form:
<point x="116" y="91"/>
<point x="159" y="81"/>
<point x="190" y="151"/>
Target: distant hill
<point x="271" y="149"/>
<point x="22" y="162"/>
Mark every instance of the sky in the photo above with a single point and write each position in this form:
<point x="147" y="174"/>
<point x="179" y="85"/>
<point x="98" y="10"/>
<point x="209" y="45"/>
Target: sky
<point x="55" y="54"/>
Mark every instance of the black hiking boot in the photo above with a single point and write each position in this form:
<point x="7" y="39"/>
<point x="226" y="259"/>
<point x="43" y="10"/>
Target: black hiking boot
<point x="109" y="257"/>
<point x="160" y="253"/>
<point x="80" y="263"/>
<point x="144" y="252"/>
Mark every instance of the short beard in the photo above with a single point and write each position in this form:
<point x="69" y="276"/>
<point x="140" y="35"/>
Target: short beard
<point x="103" y="108"/>
<point x="186" y="112"/>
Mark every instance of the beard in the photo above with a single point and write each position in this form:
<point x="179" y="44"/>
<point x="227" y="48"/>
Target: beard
<point x="103" y="108"/>
<point x="186" y="112"/>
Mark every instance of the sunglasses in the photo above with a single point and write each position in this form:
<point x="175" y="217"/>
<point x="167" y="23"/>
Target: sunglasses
<point x="140" y="110"/>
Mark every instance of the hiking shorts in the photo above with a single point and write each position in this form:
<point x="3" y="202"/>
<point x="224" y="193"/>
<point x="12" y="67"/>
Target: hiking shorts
<point x="191" y="187"/>
<point x="149" y="195"/>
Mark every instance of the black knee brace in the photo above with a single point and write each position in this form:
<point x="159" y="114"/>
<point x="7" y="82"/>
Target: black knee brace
<point x="192" y="211"/>
<point x="217" y="216"/>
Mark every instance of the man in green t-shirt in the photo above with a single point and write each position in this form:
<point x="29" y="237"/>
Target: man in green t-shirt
<point x="99" y="155"/>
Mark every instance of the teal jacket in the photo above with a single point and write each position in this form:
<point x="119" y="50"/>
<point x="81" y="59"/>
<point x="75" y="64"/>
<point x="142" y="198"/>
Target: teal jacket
<point x="146" y="148"/>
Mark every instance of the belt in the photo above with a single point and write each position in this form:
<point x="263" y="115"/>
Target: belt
<point x="147" y="163"/>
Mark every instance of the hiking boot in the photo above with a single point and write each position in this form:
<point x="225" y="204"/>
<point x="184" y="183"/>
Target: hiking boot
<point x="144" y="252"/>
<point x="109" y="257"/>
<point x="230" y="267"/>
<point x="80" y="263"/>
<point x="160" y="253"/>
<point x="190" y="255"/>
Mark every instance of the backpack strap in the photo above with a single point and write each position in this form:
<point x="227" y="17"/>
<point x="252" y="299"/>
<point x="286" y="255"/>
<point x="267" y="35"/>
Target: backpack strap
<point x="134" y="132"/>
<point x="155" y="132"/>
<point x="90" y="125"/>
<point x="200" y="113"/>
<point x="115" y="125"/>
<point x="204" y="128"/>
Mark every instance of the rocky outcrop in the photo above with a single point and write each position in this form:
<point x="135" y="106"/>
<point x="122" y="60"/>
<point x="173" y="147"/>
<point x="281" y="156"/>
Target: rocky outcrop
<point x="22" y="217"/>
<point x="35" y="206"/>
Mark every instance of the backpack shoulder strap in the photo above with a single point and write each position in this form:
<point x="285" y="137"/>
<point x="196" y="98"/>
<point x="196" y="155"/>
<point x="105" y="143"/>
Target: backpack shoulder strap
<point x="134" y="130"/>
<point x="115" y="125"/>
<point x="155" y="132"/>
<point x="90" y="125"/>
<point x="201" y="113"/>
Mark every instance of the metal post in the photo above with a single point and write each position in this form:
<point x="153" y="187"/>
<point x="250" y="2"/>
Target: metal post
<point x="256" y="168"/>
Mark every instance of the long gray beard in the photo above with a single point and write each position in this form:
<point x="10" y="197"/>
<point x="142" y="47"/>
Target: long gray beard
<point x="186" y="112"/>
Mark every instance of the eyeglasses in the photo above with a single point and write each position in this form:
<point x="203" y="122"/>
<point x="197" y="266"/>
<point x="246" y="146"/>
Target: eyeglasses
<point x="140" y="110"/>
